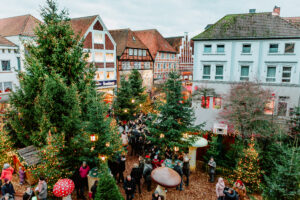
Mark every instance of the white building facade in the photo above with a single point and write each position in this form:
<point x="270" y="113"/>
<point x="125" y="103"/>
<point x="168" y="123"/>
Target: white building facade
<point x="273" y="61"/>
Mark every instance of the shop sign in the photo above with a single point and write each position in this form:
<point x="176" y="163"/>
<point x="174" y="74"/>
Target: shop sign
<point x="106" y="83"/>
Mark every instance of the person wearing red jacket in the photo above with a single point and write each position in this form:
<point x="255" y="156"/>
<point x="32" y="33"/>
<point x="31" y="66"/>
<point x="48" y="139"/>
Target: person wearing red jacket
<point x="7" y="172"/>
<point x="155" y="162"/>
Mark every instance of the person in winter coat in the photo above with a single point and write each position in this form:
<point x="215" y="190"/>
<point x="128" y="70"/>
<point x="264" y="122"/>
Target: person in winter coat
<point x="240" y="188"/>
<point x="212" y="169"/>
<point x="220" y="186"/>
<point x="129" y="187"/>
<point x="156" y="196"/>
<point x="7" y="172"/>
<point x="83" y="172"/>
<point x="28" y="194"/>
<point x="186" y="168"/>
<point x="8" y="188"/>
<point x="230" y="194"/>
<point x="136" y="174"/>
<point x="147" y="174"/>
<point x="42" y="189"/>
<point x="94" y="189"/>
<point x="21" y="176"/>
<point x="121" y="168"/>
<point x="178" y="169"/>
<point x="7" y="197"/>
<point x="155" y="162"/>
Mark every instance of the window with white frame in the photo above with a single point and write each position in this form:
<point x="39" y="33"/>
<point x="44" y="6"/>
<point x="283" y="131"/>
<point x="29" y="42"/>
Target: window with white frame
<point x="219" y="72"/>
<point x="282" y="105"/>
<point x="173" y="56"/>
<point x="7" y="86"/>
<point x="135" y="52"/>
<point x="244" y="73"/>
<point x="273" y="48"/>
<point x="207" y="48"/>
<point x="286" y="74"/>
<point x="289" y="47"/>
<point x="99" y="57"/>
<point x="165" y="65"/>
<point x="158" y="66"/>
<point x="246" y="48"/>
<point x="131" y="52"/>
<point x="206" y="72"/>
<point x="220" y="48"/>
<point x="98" y="37"/>
<point x="5" y="66"/>
<point x="147" y="65"/>
<point x="99" y="75"/>
<point x="126" y="65"/>
<point x="271" y="74"/>
<point x="109" y="57"/>
<point x="168" y="56"/>
<point x="162" y="55"/>
<point x="140" y="52"/>
<point x="144" y="53"/>
<point x="137" y="65"/>
<point x="1" y="88"/>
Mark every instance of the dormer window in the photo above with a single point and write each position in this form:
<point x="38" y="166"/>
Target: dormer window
<point x="133" y="38"/>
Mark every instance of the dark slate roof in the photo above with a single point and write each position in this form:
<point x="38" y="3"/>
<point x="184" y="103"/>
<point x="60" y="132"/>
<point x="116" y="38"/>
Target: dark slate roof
<point x="175" y="42"/>
<point x="250" y="26"/>
<point x="293" y="20"/>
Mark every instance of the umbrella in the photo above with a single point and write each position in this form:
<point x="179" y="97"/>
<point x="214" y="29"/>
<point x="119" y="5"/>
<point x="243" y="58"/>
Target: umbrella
<point x="63" y="187"/>
<point x="166" y="177"/>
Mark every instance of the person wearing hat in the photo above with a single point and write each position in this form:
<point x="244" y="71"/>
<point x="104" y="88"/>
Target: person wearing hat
<point x="8" y="188"/>
<point x="7" y="172"/>
<point x="156" y="196"/>
<point x="240" y="188"/>
<point x="7" y="197"/>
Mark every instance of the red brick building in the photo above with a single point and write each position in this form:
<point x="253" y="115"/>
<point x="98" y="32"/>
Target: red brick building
<point x="133" y="54"/>
<point x="184" y="50"/>
<point x="102" y="51"/>
<point x="164" y="55"/>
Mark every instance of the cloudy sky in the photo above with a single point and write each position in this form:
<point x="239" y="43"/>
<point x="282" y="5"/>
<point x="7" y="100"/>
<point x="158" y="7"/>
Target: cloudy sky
<point x="170" y="17"/>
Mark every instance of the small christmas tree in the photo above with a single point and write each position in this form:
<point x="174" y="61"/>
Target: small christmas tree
<point x="107" y="187"/>
<point x="5" y="147"/>
<point x="248" y="170"/>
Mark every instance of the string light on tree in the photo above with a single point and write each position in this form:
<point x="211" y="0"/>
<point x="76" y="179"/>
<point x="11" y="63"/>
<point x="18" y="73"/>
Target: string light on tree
<point x="161" y="135"/>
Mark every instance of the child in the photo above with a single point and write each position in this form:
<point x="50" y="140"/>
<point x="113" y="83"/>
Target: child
<point x="21" y="176"/>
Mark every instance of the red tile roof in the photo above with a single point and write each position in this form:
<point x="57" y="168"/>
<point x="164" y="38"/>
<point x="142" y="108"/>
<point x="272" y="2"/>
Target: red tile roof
<point x="19" y="25"/>
<point x="293" y="20"/>
<point x="6" y="42"/>
<point x="175" y="42"/>
<point x="126" y="38"/>
<point x="154" y="41"/>
<point x="80" y="25"/>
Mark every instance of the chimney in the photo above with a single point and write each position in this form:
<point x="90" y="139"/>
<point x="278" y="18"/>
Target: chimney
<point x="276" y="11"/>
<point x="252" y="10"/>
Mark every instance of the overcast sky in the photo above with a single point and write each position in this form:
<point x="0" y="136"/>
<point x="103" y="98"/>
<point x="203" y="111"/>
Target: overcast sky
<point x="170" y="17"/>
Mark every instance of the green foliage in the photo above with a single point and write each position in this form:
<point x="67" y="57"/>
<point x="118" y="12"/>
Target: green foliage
<point x="107" y="187"/>
<point x="214" y="149"/>
<point x="130" y="96"/>
<point x="175" y="118"/>
<point x="283" y="179"/>
<point x="5" y="147"/>
<point x="295" y="123"/>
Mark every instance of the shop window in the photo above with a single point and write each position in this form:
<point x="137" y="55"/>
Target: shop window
<point x="98" y="37"/>
<point x="286" y="74"/>
<point x="217" y="102"/>
<point x="7" y="86"/>
<point x="99" y="57"/>
<point x="110" y="75"/>
<point x="109" y="57"/>
<point x="244" y="73"/>
<point x="289" y="48"/>
<point x="205" y="102"/>
<point x="271" y="74"/>
<point x="269" y="107"/>
<point x="5" y="65"/>
<point x="206" y="72"/>
<point x="99" y="75"/>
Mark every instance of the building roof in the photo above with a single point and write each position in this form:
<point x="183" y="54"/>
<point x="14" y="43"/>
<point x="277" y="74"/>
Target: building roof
<point x="250" y="26"/>
<point x="154" y="41"/>
<point x="80" y="25"/>
<point x="175" y="42"/>
<point x="126" y="38"/>
<point x="19" y="25"/>
<point x="293" y="20"/>
<point x="6" y="42"/>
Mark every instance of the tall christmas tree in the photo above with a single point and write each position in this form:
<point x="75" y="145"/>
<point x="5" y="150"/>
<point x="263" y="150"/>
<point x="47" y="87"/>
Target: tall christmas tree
<point x="248" y="170"/>
<point x="174" y="119"/>
<point x="136" y="85"/>
<point x="107" y="187"/>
